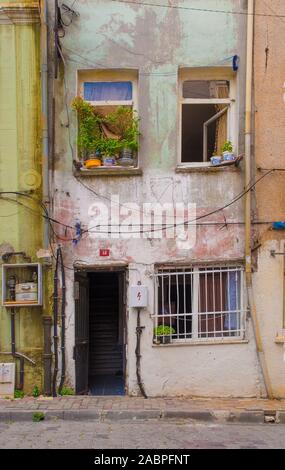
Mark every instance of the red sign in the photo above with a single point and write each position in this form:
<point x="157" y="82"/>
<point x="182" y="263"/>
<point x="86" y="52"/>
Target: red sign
<point x="104" y="252"/>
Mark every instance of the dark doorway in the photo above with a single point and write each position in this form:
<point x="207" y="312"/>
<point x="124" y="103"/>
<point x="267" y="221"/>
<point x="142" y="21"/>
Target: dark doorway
<point x="105" y="351"/>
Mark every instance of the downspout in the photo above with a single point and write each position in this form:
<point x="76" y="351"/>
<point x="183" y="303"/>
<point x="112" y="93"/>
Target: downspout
<point x="47" y="356"/>
<point x="139" y="329"/>
<point x="44" y="111"/>
<point x="63" y="301"/>
<point x="248" y="139"/>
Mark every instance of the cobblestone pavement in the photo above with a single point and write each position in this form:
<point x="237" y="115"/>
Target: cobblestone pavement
<point x="138" y="435"/>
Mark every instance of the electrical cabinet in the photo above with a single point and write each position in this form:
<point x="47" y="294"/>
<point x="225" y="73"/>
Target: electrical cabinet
<point x="22" y="285"/>
<point x="138" y="296"/>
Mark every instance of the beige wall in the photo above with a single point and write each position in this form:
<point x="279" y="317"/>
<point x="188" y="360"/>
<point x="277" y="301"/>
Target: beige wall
<point x="269" y="66"/>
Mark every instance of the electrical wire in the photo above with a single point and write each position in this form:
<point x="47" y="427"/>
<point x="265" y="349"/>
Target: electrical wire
<point x="202" y="10"/>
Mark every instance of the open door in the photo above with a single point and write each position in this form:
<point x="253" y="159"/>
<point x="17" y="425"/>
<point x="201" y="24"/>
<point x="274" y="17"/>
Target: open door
<point x="81" y="348"/>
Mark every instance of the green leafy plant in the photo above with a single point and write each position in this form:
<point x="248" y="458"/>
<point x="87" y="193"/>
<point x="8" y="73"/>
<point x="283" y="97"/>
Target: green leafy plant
<point x="66" y="391"/>
<point x="227" y="147"/>
<point x="38" y="416"/>
<point x="124" y="122"/>
<point x="109" y="147"/>
<point x="163" y="330"/>
<point x="19" y="394"/>
<point x="36" y="392"/>
<point x="89" y="131"/>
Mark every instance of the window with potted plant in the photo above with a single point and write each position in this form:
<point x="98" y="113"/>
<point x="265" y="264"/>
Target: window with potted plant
<point x="106" y="139"/>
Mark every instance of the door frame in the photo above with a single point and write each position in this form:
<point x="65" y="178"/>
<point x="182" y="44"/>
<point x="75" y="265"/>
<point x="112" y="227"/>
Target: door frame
<point x="123" y="271"/>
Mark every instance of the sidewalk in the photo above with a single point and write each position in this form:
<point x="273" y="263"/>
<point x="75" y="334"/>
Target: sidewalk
<point x="118" y="408"/>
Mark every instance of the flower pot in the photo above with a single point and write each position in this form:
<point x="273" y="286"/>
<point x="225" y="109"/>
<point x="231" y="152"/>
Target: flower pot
<point x="228" y="156"/>
<point x="92" y="163"/>
<point x="126" y="157"/>
<point x="216" y="160"/>
<point x="165" y="339"/>
<point x="109" y="161"/>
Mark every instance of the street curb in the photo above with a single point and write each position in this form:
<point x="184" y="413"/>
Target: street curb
<point x="188" y="414"/>
<point x="214" y="416"/>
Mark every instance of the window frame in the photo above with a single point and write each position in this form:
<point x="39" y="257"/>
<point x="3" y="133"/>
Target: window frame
<point x="196" y="270"/>
<point x="110" y="75"/>
<point x="208" y="74"/>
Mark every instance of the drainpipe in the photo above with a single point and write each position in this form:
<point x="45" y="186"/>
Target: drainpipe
<point x="47" y="357"/>
<point x="248" y="138"/>
<point x="44" y="110"/>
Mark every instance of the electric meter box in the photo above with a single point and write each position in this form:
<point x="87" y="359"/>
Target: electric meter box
<point x="138" y="296"/>
<point x="22" y="285"/>
<point x="7" y="379"/>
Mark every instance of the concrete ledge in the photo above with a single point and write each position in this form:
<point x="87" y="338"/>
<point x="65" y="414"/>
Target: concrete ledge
<point x="218" y="416"/>
<point x="5" y="416"/>
<point x="185" y="414"/>
<point x="81" y="415"/>
<point x="117" y="415"/>
<point x="246" y="417"/>
<point x="16" y="415"/>
<point x="50" y="414"/>
<point x="280" y="417"/>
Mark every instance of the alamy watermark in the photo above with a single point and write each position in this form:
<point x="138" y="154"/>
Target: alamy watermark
<point x="131" y="220"/>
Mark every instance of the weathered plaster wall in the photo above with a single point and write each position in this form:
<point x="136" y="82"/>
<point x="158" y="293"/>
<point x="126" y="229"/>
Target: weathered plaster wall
<point x="20" y="161"/>
<point x="156" y="42"/>
<point x="270" y="196"/>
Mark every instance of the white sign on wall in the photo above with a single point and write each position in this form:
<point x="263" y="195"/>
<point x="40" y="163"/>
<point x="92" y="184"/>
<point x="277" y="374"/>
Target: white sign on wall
<point x="138" y="296"/>
<point x="7" y="379"/>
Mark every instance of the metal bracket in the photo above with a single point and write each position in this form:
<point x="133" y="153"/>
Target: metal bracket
<point x="275" y="253"/>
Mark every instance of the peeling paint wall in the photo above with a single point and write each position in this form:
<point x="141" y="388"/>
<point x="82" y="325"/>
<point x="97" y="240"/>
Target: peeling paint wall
<point x="156" y="42"/>
<point x="20" y="170"/>
<point x="269" y="194"/>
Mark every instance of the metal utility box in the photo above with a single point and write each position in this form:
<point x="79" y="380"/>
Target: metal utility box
<point x="22" y="285"/>
<point x="138" y="296"/>
<point x="7" y="379"/>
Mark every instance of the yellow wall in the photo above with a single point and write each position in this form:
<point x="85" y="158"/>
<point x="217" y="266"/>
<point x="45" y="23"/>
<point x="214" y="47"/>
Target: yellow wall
<point x="20" y="170"/>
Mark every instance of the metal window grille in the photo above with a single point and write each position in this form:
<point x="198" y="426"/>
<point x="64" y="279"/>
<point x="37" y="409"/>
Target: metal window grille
<point x="199" y="303"/>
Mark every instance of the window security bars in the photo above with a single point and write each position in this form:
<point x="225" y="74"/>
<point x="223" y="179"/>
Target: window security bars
<point x="199" y="304"/>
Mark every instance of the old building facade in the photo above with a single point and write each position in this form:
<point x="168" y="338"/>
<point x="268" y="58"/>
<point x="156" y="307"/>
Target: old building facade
<point x="179" y="72"/>
<point x="156" y="262"/>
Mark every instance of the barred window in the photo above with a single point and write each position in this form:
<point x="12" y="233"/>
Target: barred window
<point x="199" y="303"/>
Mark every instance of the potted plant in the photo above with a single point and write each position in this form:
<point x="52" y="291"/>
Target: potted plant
<point x="89" y="133"/>
<point x="163" y="333"/>
<point x="227" y="151"/>
<point x="109" y="150"/>
<point x="216" y="160"/>
<point x="125" y="123"/>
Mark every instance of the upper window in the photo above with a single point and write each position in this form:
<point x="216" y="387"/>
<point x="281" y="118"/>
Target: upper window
<point x="206" y="120"/>
<point x="108" y="123"/>
<point x="121" y="92"/>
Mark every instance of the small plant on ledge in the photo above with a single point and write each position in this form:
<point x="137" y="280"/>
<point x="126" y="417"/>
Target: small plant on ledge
<point x="89" y="133"/>
<point x="163" y="333"/>
<point x="227" y="150"/>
